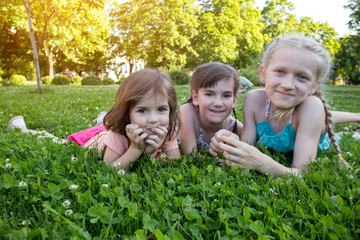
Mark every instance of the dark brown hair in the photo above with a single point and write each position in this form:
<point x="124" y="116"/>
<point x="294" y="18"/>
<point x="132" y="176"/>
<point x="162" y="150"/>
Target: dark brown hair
<point x="132" y="90"/>
<point x="208" y="75"/>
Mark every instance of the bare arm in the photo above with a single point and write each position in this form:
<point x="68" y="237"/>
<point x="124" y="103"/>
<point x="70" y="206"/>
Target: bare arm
<point x="344" y="117"/>
<point x="310" y="114"/>
<point x="188" y="131"/>
<point x="249" y="134"/>
<point x="137" y="138"/>
<point x="131" y="155"/>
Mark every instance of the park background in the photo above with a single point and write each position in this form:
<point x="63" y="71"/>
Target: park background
<point x="54" y="191"/>
<point x="114" y="38"/>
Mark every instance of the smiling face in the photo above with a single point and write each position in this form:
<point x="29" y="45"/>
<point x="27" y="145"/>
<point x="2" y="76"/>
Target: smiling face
<point x="289" y="77"/>
<point x="150" y="112"/>
<point x="215" y="103"/>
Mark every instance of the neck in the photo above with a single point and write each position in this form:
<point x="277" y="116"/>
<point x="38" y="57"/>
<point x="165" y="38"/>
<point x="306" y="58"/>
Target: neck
<point x="212" y="127"/>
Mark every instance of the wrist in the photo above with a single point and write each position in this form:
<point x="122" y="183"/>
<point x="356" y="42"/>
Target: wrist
<point x="155" y="154"/>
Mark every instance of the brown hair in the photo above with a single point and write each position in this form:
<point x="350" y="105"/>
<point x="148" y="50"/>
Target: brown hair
<point x="323" y="64"/>
<point x="209" y="74"/>
<point x="135" y="87"/>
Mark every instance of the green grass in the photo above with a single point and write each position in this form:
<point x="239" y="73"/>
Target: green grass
<point x="194" y="198"/>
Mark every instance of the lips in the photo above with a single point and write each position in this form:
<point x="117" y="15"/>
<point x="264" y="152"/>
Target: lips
<point x="216" y="111"/>
<point x="285" y="94"/>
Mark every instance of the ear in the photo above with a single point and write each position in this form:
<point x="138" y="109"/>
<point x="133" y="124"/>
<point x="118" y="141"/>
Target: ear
<point x="315" y="88"/>
<point x="235" y="98"/>
<point x="262" y="74"/>
<point x="195" y="97"/>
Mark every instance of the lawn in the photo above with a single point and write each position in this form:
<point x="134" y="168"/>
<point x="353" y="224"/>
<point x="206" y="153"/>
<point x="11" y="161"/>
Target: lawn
<point x="53" y="191"/>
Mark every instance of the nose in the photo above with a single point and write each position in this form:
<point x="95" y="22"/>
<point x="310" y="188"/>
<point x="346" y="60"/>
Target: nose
<point x="152" y="118"/>
<point x="288" y="82"/>
<point x="218" y="101"/>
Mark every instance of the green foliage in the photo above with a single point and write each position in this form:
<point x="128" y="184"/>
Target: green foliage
<point x="91" y="80"/>
<point x="122" y="78"/>
<point x="75" y="80"/>
<point x="252" y="74"/>
<point x="191" y="198"/>
<point x="17" y="79"/>
<point x="108" y="81"/>
<point x="347" y="60"/>
<point x="60" y="79"/>
<point x="179" y="77"/>
<point x="46" y="80"/>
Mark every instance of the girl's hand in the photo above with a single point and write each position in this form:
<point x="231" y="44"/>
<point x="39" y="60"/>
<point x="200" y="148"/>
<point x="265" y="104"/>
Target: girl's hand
<point x="154" y="141"/>
<point x="215" y="141"/>
<point x="136" y="136"/>
<point x="239" y="153"/>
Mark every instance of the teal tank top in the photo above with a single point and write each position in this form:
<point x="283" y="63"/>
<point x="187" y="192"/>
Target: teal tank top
<point x="283" y="142"/>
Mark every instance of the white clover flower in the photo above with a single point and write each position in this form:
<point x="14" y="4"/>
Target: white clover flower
<point x="118" y="164"/>
<point x="272" y="192"/>
<point x="66" y="204"/>
<point x="8" y="165"/>
<point x="73" y="159"/>
<point x="25" y="222"/>
<point x="346" y="128"/>
<point x="215" y="200"/>
<point x="105" y="185"/>
<point x="68" y="212"/>
<point x="73" y="187"/>
<point x="22" y="184"/>
<point x="217" y="184"/>
<point x="7" y="160"/>
<point x="350" y="176"/>
<point x="121" y="172"/>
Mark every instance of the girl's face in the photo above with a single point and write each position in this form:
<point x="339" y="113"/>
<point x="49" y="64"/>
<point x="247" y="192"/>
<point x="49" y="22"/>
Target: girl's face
<point x="151" y="111"/>
<point x="215" y="103"/>
<point x="289" y="77"/>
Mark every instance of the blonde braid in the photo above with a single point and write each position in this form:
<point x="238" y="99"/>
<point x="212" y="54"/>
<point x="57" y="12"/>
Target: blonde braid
<point x="329" y="127"/>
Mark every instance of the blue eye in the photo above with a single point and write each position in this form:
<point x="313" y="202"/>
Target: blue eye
<point x="162" y="109"/>
<point x="142" y="110"/>
<point x="303" y="77"/>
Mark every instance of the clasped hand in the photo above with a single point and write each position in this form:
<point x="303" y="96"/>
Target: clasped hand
<point x="235" y="151"/>
<point x="143" y="141"/>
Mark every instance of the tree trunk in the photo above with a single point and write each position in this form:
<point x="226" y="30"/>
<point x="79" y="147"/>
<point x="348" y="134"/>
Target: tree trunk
<point x="27" y="5"/>
<point x="8" y="65"/>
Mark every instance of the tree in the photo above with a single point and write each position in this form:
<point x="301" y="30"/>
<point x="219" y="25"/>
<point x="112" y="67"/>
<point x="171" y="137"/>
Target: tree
<point x="277" y="18"/>
<point x="347" y="60"/>
<point x="14" y="38"/>
<point x="27" y="5"/>
<point x="321" y="32"/>
<point x="158" y="31"/>
<point x="354" y="23"/>
<point x="73" y="27"/>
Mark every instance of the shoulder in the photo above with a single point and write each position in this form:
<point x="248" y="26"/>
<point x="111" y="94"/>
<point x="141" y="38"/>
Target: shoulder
<point x="116" y="138"/>
<point x="117" y="142"/>
<point x="188" y="111"/>
<point x="187" y="107"/>
<point x="255" y="99"/>
<point x="256" y="95"/>
<point x="310" y="112"/>
<point x="311" y="104"/>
